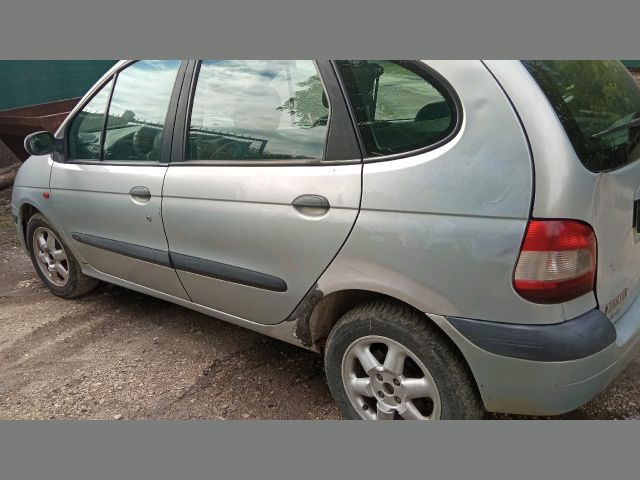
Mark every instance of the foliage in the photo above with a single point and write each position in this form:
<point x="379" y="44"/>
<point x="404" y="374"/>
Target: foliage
<point x="306" y="103"/>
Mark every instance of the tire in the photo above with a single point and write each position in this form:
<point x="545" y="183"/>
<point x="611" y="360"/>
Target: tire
<point x="75" y="283"/>
<point x="446" y="390"/>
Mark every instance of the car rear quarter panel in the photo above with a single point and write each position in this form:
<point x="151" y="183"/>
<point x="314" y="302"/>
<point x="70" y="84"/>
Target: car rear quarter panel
<point x="442" y="230"/>
<point x="566" y="189"/>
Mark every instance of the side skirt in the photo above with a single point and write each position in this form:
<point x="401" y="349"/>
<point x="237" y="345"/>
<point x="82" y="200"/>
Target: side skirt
<point x="284" y="331"/>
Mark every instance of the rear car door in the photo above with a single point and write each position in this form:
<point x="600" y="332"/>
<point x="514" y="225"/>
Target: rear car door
<point x="106" y="186"/>
<point x="264" y="184"/>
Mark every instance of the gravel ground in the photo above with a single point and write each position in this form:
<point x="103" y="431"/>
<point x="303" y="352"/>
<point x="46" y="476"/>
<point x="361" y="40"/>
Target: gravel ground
<point x="117" y="354"/>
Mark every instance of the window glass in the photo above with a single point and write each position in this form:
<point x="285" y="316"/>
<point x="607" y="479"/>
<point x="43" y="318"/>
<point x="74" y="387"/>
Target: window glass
<point x="598" y="103"/>
<point x="138" y="110"/>
<point x="256" y="110"/>
<point x="85" y="131"/>
<point x="397" y="109"/>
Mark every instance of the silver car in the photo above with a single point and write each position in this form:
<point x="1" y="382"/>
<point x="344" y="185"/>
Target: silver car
<point x="453" y="236"/>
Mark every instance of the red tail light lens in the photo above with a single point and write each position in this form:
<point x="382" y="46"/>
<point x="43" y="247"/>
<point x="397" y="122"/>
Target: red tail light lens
<point x="557" y="261"/>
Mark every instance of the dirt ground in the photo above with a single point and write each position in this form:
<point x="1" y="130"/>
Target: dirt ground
<point x="117" y="354"/>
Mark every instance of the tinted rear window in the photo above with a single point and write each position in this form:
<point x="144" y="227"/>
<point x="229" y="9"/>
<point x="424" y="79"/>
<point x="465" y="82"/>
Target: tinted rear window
<point x="594" y="100"/>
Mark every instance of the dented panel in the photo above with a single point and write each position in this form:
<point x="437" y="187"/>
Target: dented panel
<point x="301" y="316"/>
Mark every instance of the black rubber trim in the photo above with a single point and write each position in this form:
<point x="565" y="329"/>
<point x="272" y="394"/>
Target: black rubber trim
<point x="574" y="339"/>
<point x="152" y="255"/>
<point x="228" y="273"/>
<point x="341" y="141"/>
<point x="200" y="266"/>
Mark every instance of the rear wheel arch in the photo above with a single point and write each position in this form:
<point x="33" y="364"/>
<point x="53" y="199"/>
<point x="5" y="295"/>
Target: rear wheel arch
<point x="415" y="331"/>
<point x="330" y="308"/>
<point x="313" y="329"/>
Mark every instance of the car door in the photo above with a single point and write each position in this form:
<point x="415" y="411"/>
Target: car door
<point x="106" y="189"/>
<point x="263" y="187"/>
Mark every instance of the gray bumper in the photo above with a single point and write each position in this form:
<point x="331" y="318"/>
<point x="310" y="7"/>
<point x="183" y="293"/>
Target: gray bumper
<point x="574" y="339"/>
<point x="516" y="373"/>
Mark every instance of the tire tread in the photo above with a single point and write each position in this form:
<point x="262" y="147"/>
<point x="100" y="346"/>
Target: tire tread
<point x="415" y="324"/>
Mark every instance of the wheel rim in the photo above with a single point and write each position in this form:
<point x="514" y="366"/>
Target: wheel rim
<point x="384" y="380"/>
<point x="51" y="256"/>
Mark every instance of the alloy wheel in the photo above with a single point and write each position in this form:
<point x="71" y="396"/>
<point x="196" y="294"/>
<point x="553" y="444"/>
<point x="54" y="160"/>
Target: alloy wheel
<point x="384" y="380"/>
<point x="51" y="256"/>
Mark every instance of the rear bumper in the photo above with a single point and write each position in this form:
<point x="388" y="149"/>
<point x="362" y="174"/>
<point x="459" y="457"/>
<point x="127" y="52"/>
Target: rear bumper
<point x="517" y="373"/>
<point x="574" y="339"/>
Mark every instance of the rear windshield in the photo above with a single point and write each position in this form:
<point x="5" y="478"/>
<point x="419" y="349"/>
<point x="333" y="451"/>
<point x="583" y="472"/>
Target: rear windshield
<point x="597" y="103"/>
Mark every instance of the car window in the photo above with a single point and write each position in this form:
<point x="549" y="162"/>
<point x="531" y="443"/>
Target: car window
<point x="398" y="107"/>
<point x="85" y="130"/>
<point x="598" y="104"/>
<point x="138" y="110"/>
<point x="258" y="110"/>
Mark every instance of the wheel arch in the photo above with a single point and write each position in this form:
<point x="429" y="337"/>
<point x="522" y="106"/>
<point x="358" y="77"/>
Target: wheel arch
<point x="328" y="311"/>
<point x="324" y="311"/>
<point x="27" y="210"/>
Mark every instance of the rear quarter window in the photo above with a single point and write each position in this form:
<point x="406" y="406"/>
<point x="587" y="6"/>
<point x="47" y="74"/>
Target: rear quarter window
<point x="399" y="106"/>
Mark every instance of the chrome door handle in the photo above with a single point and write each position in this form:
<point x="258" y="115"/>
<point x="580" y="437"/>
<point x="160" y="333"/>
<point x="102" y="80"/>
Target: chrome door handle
<point x="140" y="193"/>
<point x="311" y="204"/>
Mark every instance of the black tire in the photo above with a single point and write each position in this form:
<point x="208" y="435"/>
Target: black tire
<point x="457" y="390"/>
<point x="77" y="283"/>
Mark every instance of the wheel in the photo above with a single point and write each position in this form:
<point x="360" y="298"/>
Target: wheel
<point x="54" y="262"/>
<point x="386" y="361"/>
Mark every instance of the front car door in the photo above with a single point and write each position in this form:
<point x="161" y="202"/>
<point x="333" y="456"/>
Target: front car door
<point x="106" y="186"/>
<point x="263" y="187"/>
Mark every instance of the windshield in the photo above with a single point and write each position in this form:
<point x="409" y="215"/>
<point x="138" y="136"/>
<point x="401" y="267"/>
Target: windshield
<point x="594" y="100"/>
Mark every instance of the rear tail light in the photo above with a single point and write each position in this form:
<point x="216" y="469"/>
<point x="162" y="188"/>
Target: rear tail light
<point x="557" y="261"/>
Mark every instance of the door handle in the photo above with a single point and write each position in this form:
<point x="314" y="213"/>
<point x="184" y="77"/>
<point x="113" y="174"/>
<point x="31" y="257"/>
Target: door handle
<point x="140" y="193"/>
<point x="311" y="204"/>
